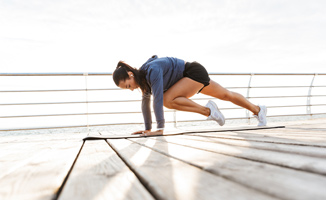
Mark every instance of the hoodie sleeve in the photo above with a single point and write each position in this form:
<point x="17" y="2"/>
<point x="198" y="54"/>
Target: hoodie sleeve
<point x="146" y="110"/>
<point x="155" y="77"/>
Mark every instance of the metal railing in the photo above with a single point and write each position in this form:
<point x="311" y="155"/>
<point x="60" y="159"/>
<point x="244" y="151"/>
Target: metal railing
<point x="248" y="89"/>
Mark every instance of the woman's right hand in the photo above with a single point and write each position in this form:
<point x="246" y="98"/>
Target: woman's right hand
<point x="140" y="132"/>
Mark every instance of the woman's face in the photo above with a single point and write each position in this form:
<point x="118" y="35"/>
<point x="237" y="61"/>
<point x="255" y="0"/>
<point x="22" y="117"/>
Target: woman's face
<point x="129" y="83"/>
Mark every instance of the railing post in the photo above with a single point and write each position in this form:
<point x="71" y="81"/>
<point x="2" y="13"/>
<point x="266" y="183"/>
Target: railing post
<point x="175" y="118"/>
<point x="308" y="108"/>
<point x="86" y="88"/>
<point x="248" y="96"/>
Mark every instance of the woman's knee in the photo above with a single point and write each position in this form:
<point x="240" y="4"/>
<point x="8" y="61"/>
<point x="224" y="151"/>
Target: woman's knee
<point x="168" y="102"/>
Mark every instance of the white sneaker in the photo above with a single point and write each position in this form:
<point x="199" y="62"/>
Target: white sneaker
<point x="215" y="113"/>
<point x="262" y="116"/>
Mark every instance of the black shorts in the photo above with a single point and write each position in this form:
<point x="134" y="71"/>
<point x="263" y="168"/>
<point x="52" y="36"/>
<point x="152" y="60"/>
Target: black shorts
<point x="196" y="72"/>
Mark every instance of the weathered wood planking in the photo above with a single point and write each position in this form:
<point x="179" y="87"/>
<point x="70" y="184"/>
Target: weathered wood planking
<point x="11" y="150"/>
<point x="235" y="135"/>
<point x="38" y="137"/>
<point x="291" y="131"/>
<point x="37" y="171"/>
<point x="305" y="131"/>
<point x="286" y="133"/>
<point x="20" y="150"/>
<point x="169" y="178"/>
<point x="277" y="181"/>
<point x="17" y="156"/>
<point x="317" y="130"/>
<point x="300" y="162"/>
<point x="277" y="133"/>
<point x="287" y="148"/>
<point x="100" y="174"/>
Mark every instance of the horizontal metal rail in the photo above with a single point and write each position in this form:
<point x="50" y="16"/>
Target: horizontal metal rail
<point x="135" y="100"/>
<point x="115" y="124"/>
<point x="59" y="74"/>
<point x="110" y="73"/>
<point x="72" y="102"/>
<point x="239" y="118"/>
<point x="287" y="96"/>
<point x="110" y="89"/>
<point x="296" y="96"/>
<point x="138" y="112"/>
<point x="70" y="114"/>
<point x="74" y="114"/>
<point x="64" y="90"/>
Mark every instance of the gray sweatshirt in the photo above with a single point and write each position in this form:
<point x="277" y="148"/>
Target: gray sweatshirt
<point x="161" y="74"/>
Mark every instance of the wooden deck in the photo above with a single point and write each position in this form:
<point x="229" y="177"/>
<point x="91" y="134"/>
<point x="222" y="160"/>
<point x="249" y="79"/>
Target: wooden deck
<point x="280" y="163"/>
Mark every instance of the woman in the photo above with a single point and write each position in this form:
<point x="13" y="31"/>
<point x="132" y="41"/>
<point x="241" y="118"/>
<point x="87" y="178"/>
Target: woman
<point x="172" y="82"/>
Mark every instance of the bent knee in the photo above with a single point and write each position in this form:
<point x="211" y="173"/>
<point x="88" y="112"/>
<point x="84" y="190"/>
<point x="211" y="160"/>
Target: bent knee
<point x="168" y="103"/>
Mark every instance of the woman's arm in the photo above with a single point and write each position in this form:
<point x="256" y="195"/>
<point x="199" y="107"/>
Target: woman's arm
<point x="156" y="80"/>
<point x="146" y="110"/>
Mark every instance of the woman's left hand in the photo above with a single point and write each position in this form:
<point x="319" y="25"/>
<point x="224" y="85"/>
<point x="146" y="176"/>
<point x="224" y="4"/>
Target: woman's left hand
<point x="151" y="133"/>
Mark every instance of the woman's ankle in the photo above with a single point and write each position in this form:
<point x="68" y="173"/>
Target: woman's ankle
<point x="256" y="110"/>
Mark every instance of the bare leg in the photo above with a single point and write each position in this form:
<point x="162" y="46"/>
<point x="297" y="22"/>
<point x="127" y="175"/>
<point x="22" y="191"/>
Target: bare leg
<point x="216" y="90"/>
<point x="177" y="97"/>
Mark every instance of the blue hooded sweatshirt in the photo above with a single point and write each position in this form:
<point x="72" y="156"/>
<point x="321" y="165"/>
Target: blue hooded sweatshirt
<point x="161" y="74"/>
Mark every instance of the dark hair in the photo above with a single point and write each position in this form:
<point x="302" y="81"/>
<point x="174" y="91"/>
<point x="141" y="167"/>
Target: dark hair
<point x="121" y="73"/>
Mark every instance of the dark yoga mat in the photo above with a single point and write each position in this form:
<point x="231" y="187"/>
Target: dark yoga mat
<point x="245" y="128"/>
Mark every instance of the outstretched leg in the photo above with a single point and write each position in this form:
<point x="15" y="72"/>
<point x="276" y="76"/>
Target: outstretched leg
<point x="216" y="90"/>
<point x="177" y="97"/>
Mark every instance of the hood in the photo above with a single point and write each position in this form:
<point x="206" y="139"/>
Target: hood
<point x="149" y="60"/>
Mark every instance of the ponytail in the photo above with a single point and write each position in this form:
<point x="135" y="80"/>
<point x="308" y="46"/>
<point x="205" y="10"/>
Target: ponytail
<point x="121" y="74"/>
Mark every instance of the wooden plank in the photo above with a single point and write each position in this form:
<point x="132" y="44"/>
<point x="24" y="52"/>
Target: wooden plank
<point x="288" y="133"/>
<point x="22" y="150"/>
<point x="18" y="158"/>
<point x="287" y="148"/>
<point x="299" y="162"/>
<point x="168" y="178"/>
<point x="100" y="174"/>
<point x="311" y="130"/>
<point x="279" y="134"/>
<point x="299" y="130"/>
<point x="38" y="137"/>
<point x="313" y="123"/>
<point x="236" y="136"/>
<point x="14" y="156"/>
<point x="9" y="149"/>
<point x="40" y="175"/>
<point x="270" y="179"/>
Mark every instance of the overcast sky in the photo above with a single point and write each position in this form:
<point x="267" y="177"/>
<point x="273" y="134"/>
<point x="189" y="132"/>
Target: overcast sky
<point x="225" y="36"/>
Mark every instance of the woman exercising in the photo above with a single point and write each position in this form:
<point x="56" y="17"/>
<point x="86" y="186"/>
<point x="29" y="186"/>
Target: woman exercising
<point x="172" y="82"/>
